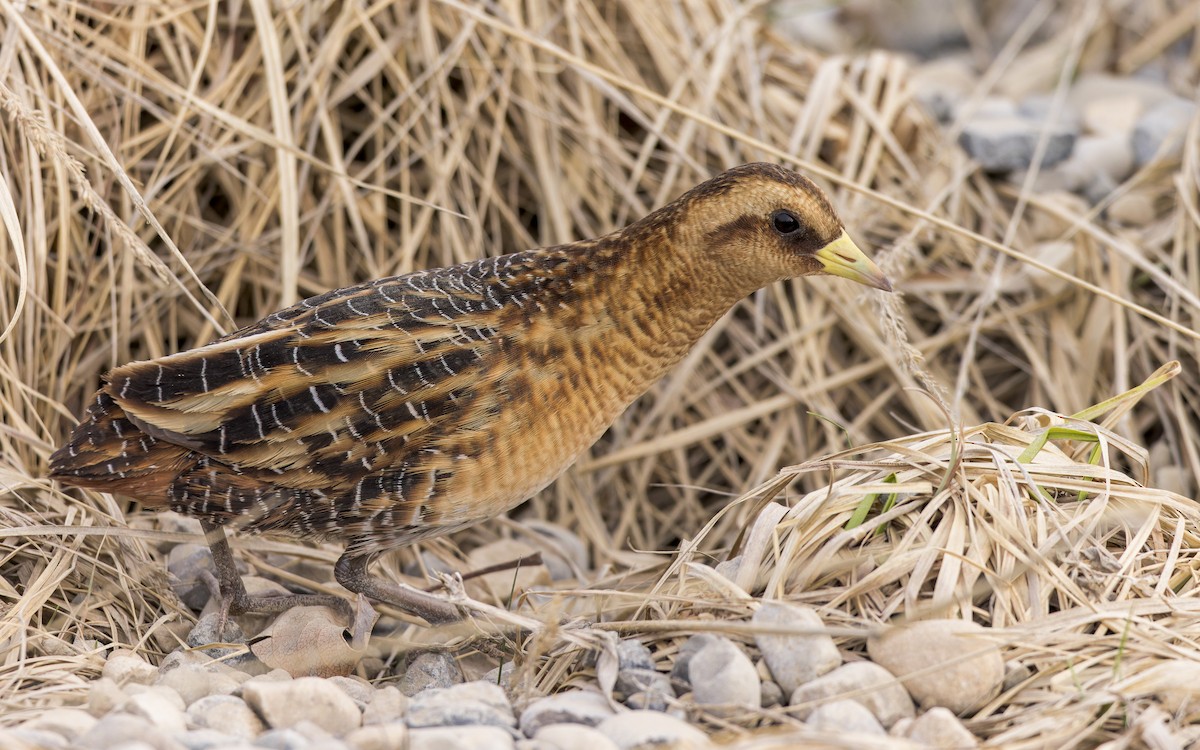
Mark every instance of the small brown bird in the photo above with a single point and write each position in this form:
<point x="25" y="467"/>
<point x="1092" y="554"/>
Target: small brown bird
<point x="413" y="406"/>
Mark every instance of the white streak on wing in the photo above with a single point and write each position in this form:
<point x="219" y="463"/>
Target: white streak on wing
<point x="317" y="399"/>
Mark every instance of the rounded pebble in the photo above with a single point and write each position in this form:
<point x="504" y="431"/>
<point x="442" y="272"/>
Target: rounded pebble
<point x="721" y="674"/>
<point x="573" y="737"/>
<point x="430" y="669"/>
<point x="794" y="659"/>
<point x="867" y="683"/>
<point x="124" y="668"/>
<point x="359" y="690"/>
<point x="193" y="682"/>
<point x="283" y="739"/>
<point x="227" y="713"/>
<point x="469" y="703"/>
<point x="648" y="729"/>
<point x="1003" y="144"/>
<point x="837" y="717"/>
<point x="639" y="685"/>
<point x="68" y="723"/>
<point x="564" y="553"/>
<point x="118" y="728"/>
<point x="387" y="705"/>
<point x="378" y="737"/>
<point x="939" y="728"/>
<point x="207" y="739"/>
<point x="104" y="695"/>
<point x="949" y="663"/>
<point x="185" y="563"/>
<point x="1160" y="131"/>
<point x="160" y="706"/>
<point x="460" y="738"/>
<point x="284" y="704"/>
<point x="31" y="739"/>
<point x="568" y="707"/>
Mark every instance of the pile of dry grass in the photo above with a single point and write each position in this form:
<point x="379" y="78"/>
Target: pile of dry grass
<point x="167" y="173"/>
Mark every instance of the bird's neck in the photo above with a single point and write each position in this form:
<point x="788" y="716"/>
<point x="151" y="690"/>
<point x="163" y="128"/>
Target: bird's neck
<point x="661" y="296"/>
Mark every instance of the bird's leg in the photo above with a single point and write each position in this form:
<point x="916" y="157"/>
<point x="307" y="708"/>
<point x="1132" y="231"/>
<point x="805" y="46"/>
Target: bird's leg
<point x="351" y="572"/>
<point x="235" y="600"/>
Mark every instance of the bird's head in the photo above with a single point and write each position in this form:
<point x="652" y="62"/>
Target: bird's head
<point x="762" y="222"/>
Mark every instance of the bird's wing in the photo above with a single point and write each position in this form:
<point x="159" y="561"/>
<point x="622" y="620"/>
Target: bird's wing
<point x="344" y="384"/>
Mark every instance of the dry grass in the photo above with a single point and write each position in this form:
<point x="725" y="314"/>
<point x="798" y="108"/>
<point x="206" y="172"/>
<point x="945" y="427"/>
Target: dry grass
<point x="169" y="171"/>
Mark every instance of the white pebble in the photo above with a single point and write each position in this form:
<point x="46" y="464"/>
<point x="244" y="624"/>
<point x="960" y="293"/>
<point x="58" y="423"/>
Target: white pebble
<point x="942" y="662"/>
<point x="645" y="729"/>
<point x="794" y="659"/>
<point x="721" y="674"/>
<point x="862" y="681"/>
<point x="283" y="704"/>
<point x="226" y="713"/>
<point x="837" y="717"/>
<point x="460" y="738"/>
<point x="568" y="707"/>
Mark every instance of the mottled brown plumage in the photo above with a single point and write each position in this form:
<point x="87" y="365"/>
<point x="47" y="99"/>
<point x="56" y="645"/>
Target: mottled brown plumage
<point x="416" y="405"/>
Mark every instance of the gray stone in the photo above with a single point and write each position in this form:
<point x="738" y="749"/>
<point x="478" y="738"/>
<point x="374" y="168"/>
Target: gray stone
<point x="574" y="737"/>
<point x="869" y="684"/>
<point x="1003" y="144"/>
<point x="430" y="669"/>
<point x="1160" y="131"/>
<point x="794" y="659"/>
<point x="387" y="705"/>
<point x="651" y="729"/>
<point x="772" y="694"/>
<point x="359" y="690"/>
<point x="564" y="553"/>
<point x="185" y="564"/>
<point x="469" y="703"/>
<point x="938" y="728"/>
<point x="839" y="717"/>
<point x="940" y="85"/>
<point x="283" y="704"/>
<point x="681" y="667"/>
<point x="378" y="737"/>
<point x="283" y="739"/>
<point x="206" y="739"/>
<point x="568" y="707"/>
<point x="639" y="685"/>
<point x="501" y="675"/>
<point x="227" y="713"/>
<point x="942" y="662"/>
<point x="460" y="738"/>
<point x="205" y="633"/>
<point x="721" y="674"/>
<point x="124" y="668"/>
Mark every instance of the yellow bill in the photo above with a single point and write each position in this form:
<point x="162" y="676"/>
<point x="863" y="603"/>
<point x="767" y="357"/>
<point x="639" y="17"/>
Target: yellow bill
<point x="843" y="258"/>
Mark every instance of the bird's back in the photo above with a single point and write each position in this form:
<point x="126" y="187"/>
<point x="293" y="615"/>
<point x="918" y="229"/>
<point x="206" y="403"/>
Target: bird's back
<point x="390" y="408"/>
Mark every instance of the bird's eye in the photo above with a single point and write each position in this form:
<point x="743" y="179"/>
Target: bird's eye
<point x="785" y="222"/>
